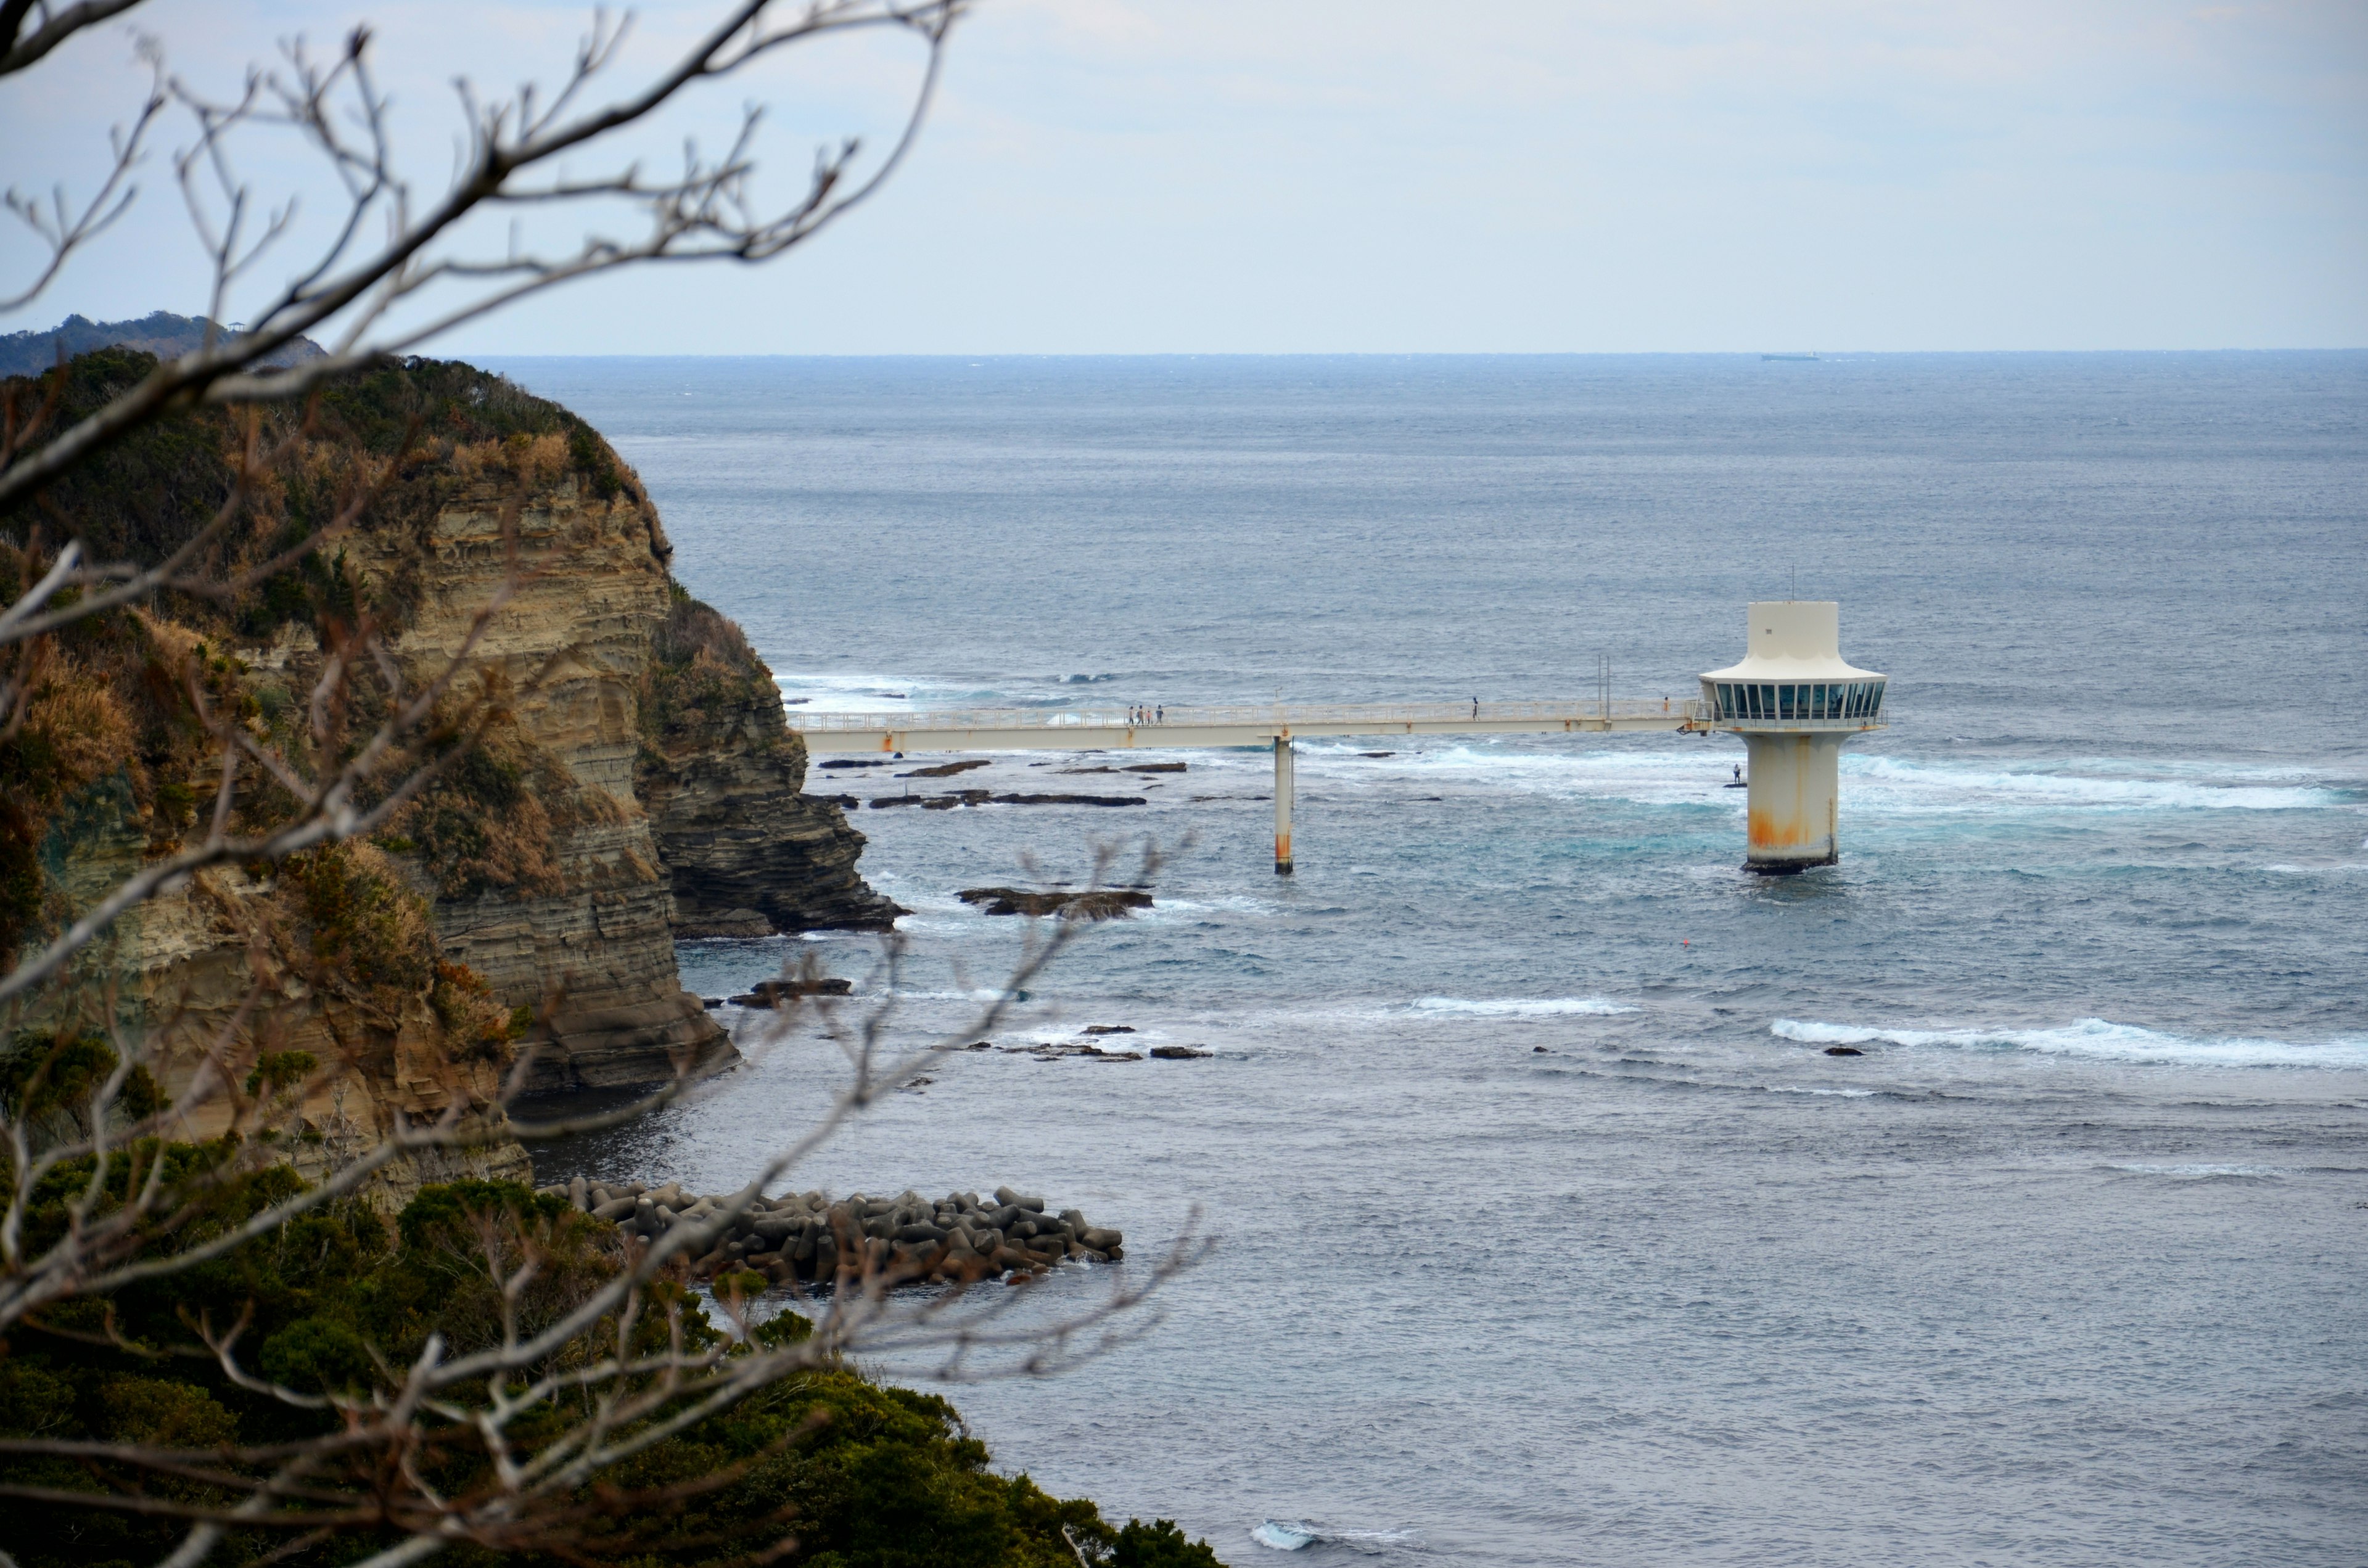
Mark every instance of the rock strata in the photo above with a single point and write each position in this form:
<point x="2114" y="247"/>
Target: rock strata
<point x="806" y="1237"/>
<point x="722" y="777"/>
<point x="634" y="778"/>
<point x="1102" y="903"/>
<point x="588" y="941"/>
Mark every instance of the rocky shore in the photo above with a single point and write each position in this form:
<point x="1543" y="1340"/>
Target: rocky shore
<point x="989" y="797"/>
<point x="809" y="1237"/>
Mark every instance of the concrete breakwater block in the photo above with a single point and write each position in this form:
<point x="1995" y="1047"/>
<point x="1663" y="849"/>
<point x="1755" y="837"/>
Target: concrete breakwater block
<point x="811" y="1237"/>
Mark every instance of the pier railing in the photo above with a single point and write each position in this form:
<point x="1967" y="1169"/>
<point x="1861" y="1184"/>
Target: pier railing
<point x="1289" y="715"/>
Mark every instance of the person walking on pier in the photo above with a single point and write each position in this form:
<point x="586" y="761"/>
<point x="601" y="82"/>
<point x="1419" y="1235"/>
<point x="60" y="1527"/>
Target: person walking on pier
<point x="1159" y="714"/>
<point x="1476" y="709"/>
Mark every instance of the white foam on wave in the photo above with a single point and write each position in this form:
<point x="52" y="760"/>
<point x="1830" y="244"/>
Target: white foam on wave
<point x="1903" y="786"/>
<point x="975" y="993"/>
<point x="1282" y="1536"/>
<point x="1520" y="1007"/>
<point x="1674" y="777"/>
<point x="1294" y="1535"/>
<point x="1214" y="904"/>
<point x="2192" y="1171"/>
<point x="2097" y="1040"/>
<point x="839" y="692"/>
<point x="1877" y="784"/>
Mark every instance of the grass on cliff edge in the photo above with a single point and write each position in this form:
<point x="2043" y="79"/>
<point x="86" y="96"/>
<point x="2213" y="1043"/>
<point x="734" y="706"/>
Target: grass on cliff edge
<point x="862" y="1475"/>
<point x="109" y="741"/>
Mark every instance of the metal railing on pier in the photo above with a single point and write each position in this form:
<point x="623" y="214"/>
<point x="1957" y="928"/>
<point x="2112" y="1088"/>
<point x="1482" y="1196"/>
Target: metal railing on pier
<point x="1290" y="716"/>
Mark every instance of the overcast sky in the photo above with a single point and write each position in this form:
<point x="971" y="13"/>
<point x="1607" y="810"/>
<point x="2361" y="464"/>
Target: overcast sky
<point x="1228" y="176"/>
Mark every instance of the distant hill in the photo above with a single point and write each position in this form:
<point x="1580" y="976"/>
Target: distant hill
<point x="160" y="333"/>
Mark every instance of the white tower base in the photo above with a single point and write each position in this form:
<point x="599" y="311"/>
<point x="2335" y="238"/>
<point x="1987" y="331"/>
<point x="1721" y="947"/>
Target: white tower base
<point x="1796" y="786"/>
<point x="1794" y="701"/>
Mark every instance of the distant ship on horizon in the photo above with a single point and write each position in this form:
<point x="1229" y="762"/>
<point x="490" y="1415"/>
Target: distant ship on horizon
<point x="1788" y="357"/>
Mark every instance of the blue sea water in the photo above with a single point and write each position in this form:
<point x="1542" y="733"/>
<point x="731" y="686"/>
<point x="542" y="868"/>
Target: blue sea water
<point x="1547" y="1231"/>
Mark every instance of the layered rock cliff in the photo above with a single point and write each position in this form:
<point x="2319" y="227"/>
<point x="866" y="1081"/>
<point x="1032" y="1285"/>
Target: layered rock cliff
<point x="574" y="920"/>
<point x="722" y="776"/>
<point x="535" y="869"/>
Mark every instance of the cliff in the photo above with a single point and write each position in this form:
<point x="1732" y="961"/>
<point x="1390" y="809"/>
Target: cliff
<point x="537" y="864"/>
<point x="569" y="914"/>
<point x="722" y="776"/>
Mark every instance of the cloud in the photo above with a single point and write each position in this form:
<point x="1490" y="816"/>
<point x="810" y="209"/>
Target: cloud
<point x="1230" y="175"/>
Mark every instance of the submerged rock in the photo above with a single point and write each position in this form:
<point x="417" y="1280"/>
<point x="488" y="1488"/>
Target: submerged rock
<point x="987" y="797"/>
<point x="1844" y="1050"/>
<point x="1179" y="1052"/>
<point x="1106" y="904"/>
<point x="773" y="992"/>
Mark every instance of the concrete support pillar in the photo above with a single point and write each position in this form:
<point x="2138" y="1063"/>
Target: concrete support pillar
<point x="1795" y="784"/>
<point x="1283" y="787"/>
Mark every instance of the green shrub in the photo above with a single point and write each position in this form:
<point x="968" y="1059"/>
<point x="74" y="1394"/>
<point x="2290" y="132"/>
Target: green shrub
<point x="855" y="1473"/>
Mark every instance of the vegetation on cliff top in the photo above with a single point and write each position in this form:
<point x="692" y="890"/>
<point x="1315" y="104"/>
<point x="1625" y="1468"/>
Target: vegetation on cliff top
<point x="852" y="1472"/>
<point x="110" y="712"/>
<point x="703" y="678"/>
<point x="452" y="424"/>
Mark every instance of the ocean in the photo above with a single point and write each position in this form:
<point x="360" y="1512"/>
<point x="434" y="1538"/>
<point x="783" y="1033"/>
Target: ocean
<point x="1546" y="1230"/>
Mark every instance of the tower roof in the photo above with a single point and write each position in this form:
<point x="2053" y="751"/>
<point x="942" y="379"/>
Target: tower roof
<point x="1794" y="640"/>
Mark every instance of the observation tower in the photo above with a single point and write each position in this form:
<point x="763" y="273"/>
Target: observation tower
<point x="1794" y="702"/>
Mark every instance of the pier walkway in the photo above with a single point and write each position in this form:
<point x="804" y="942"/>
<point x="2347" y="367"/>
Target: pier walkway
<point x="1275" y="724"/>
<point x="1066" y="729"/>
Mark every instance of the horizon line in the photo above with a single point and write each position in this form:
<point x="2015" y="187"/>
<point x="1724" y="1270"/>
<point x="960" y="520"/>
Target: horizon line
<point x="1790" y="355"/>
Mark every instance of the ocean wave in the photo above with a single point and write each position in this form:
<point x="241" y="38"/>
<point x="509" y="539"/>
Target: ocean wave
<point x="1900" y="784"/>
<point x="1293" y="1535"/>
<point x="1520" y="1007"/>
<point x="976" y="993"/>
<point x="2193" y="1172"/>
<point x="1875" y="784"/>
<point x="2095" y="1039"/>
<point x="1228" y="904"/>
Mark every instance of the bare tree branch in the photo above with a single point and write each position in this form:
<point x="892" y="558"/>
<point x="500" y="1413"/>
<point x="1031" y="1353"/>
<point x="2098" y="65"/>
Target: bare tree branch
<point x="19" y="49"/>
<point x="61" y="226"/>
<point x="704" y="215"/>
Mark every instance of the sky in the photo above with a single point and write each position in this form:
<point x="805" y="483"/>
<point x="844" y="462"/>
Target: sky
<point x="1323" y="176"/>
